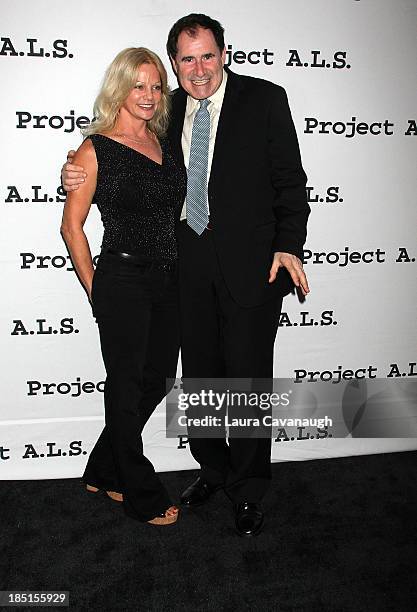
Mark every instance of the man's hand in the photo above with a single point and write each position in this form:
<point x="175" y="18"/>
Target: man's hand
<point x="71" y="175"/>
<point x="294" y="267"/>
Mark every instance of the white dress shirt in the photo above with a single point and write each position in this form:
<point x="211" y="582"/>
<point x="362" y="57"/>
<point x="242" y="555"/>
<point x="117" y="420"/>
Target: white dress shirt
<point x="214" y="108"/>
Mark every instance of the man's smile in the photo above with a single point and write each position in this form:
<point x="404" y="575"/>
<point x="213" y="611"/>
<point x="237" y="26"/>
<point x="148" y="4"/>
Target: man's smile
<point x="199" y="81"/>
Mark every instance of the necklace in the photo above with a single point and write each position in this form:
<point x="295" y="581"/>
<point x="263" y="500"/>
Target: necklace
<point x="148" y="142"/>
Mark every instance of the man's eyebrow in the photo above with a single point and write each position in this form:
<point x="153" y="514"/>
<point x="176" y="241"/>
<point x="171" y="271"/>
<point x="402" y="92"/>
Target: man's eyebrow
<point x="208" y="53"/>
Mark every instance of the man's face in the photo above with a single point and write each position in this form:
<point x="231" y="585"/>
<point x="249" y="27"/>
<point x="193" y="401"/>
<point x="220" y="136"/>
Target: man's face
<point x="199" y="64"/>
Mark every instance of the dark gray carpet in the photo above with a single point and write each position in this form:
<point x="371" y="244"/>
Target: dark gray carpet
<point x="340" y="536"/>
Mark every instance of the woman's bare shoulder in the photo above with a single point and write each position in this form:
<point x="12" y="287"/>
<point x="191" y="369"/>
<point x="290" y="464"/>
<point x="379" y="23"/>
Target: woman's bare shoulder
<point x="85" y="153"/>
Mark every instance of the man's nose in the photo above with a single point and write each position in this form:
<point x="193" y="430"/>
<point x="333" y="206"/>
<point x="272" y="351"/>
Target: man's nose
<point x="199" y="68"/>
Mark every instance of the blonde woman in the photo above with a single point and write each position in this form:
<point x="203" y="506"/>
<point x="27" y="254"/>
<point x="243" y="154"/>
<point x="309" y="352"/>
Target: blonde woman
<point x="139" y="189"/>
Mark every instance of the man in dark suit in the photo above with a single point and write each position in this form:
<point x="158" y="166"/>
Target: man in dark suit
<point x="240" y="250"/>
<point x="235" y="272"/>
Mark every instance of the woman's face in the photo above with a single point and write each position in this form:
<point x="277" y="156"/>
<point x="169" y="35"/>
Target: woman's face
<point x="144" y="98"/>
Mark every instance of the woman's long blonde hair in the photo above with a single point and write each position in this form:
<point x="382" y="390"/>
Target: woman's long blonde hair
<point x="119" y="80"/>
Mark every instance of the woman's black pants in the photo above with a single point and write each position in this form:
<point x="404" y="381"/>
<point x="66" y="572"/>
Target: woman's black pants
<point x="136" y="307"/>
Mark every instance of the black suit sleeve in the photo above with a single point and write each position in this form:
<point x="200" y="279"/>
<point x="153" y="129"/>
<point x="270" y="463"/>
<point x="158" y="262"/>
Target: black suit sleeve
<point x="288" y="178"/>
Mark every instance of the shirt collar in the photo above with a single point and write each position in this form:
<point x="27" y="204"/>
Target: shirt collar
<point x="216" y="100"/>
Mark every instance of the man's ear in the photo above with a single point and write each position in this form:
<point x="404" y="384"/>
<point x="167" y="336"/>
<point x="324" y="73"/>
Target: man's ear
<point x="173" y="64"/>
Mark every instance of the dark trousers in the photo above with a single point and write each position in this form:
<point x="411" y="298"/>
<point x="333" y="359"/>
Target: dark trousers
<point x="136" y="308"/>
<point x="220" y="339"/>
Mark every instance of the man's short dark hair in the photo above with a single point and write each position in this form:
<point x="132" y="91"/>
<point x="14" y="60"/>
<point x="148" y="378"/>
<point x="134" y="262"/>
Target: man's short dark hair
<point x="190" y="24"/>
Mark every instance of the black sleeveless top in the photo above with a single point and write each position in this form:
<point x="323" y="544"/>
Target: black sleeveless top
<point x="138" y="199"/>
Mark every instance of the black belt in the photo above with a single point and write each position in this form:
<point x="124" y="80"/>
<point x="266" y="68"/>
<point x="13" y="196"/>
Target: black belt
<point x="147" y="264"/>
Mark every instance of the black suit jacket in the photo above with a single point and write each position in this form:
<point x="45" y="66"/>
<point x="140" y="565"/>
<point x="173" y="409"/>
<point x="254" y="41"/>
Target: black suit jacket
<point x="256" y="191"/>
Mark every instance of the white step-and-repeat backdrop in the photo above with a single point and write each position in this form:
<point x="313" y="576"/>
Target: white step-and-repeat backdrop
<point x="349" y="70"/>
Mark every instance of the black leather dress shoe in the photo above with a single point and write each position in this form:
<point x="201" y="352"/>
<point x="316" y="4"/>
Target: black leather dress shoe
<point x="249" y="519"/>
<point x="197" y="493"/>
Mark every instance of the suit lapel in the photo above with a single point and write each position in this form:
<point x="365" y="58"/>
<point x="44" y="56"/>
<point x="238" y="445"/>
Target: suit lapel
<point x="226" y="128"/>
<point x="179" y="101"/>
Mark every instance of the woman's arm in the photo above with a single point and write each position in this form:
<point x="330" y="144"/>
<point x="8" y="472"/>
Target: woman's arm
<point x="76" y="209"/>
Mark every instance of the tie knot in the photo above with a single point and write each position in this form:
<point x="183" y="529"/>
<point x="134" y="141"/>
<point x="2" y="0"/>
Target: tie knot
<point x="204" y="103"/>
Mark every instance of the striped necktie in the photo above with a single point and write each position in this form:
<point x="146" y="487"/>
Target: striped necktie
<point x="197" y="197"/>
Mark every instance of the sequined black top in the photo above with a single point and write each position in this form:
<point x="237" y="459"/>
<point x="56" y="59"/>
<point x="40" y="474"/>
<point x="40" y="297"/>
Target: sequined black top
<point x="138" y="198"/>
